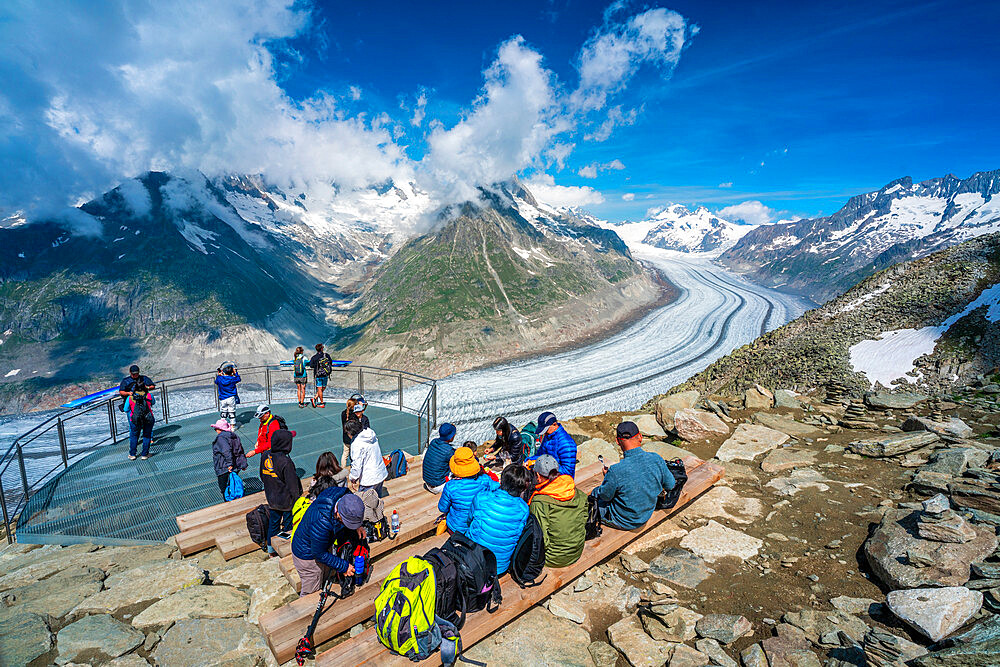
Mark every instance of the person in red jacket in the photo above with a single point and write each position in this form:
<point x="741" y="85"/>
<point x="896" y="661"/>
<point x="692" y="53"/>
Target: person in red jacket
<point x="268" y="425"/>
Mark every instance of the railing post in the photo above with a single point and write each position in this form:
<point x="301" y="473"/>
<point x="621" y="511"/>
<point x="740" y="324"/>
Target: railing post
<point x="419" y="429"/>
<point x="61" y="430"/>
<point x="112" y="424"/>
<point x="434" y="404"/>
<point x="400" y="377"/>
<point x="163" y="404"/>
<point x="267" y="377"/>
<point x="361" y="381"/>
<point x="6" y="517"/>
<point x="24" y="474"/>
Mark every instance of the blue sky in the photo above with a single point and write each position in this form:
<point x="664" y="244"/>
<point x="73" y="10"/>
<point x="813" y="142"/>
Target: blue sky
<point x="796" y="105"/>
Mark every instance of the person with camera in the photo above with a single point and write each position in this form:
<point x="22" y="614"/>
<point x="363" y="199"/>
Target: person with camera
<point x="226" y="379"/>
<point x="136" y="389"/>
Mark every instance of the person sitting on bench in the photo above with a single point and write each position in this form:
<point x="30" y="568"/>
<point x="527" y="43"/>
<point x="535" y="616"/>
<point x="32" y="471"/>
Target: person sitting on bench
<point x="368" y="469"/>
<point x="436" y="458"/>
<point x="335" y="511"/>
<point x="556" y="442"/>
<point x="627" y="497"/>
<point x="499" y="515"/>
<point x="561" y="510"/>
<point x="467" y="480"/>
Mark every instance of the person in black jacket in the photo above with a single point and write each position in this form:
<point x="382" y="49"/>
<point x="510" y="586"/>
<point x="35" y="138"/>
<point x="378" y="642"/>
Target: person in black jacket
<point x="227" y="454"/>
<point x="507" y="446"/>
<point x="282" y="485"/>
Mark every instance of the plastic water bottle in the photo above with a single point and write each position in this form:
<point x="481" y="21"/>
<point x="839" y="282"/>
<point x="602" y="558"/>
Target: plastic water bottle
<point x="395" y="523"/>
<point x="600" y="457"/>
<point x="359" y="569"/>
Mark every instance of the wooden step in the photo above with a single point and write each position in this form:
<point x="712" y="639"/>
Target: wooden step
<point x="284" y="627"/>
<point x="224" y="525"/>
<point x="365" y="649"/>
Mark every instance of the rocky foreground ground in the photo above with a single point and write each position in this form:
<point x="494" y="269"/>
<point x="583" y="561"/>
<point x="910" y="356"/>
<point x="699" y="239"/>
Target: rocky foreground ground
<point x="845" y="533"/>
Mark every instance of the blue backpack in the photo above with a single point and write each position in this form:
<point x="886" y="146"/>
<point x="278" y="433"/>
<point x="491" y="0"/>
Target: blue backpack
<point x="395" y="464"/>
<point x="235" y="488"/>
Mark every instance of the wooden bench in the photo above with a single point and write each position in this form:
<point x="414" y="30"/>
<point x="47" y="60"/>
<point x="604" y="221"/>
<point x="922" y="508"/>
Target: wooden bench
<point x="365" y="649"/>
<point x="284" y="627"/>
<point x="224" y="525"/>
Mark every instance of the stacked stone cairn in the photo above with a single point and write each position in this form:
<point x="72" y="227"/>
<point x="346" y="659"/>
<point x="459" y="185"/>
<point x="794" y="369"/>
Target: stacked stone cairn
<point x="856" y="416"/>
<point x="836" y="393"/>
<point x="940" y="523"/>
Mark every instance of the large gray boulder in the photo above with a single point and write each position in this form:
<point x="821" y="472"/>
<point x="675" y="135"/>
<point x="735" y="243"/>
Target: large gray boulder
<point x="976" y="647"/>
<point x="695" y="425"/>
<point x="750" y="441"/>
<point x="786" y="398"/>
<point x="935" y="612"/>
<point x="24" y="637"/>
<point x="887" y="548"/>
<point x="885" y="400"/>
<point x="666" y="407"/>
<point x="96" y="638"/>
<point x="58" y="596"/>
<point x="647" y="424"/>
<point x="214" y="641"/>
<point x="785" y="424"/>
<point x="679" y="567"/>
<point x="893" y="445"/>
<point x="140" y="586"/>
<point x="713" y="542"/>
<point x="193" y="602"/>
<point x="641" y="650"/>
<point x="954" y="427"/>
<point x="562" y="642"/>
<point x="587" y="453"/>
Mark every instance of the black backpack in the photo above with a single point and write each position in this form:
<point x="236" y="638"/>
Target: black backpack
<point x="528" y="559"/>
<point x="141" y="414"/>
<point x="257" y="520"/>
<point x="449" y="602"/>
<point x="594" y="526"/>
<point x="349" y="549"/>
<point x="281" y="422"/>
<point x="477" y="573"/>
<point x="669" y="498"/>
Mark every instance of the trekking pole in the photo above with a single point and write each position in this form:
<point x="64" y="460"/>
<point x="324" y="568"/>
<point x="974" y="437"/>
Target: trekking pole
<point x="304" y="650"/>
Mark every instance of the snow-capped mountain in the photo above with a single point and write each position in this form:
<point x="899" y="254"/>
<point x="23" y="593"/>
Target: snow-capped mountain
<point x="675" y="227"/>
<point x="822" y="257"/>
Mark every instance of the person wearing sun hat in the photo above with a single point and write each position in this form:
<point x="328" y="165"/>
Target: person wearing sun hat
<point x="227" y="453"/>
<point x="467" y="480"/>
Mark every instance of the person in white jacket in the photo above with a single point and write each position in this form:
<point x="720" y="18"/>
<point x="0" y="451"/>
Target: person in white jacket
<point x="367" y="467"/>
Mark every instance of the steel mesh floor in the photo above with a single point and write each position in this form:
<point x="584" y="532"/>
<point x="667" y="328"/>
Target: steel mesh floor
<point x="107" y="499"/>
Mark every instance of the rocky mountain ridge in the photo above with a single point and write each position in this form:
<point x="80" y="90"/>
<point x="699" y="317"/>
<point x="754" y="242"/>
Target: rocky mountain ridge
<point x="919" y="295"/>
<point x="675" y="227"/>
<point x="821" y="257"/>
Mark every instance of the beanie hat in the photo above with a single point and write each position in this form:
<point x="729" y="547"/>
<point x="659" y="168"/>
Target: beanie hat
<point x="447" y="431"/>
<point x="351" y="511"/>
<point x="464" y="463"/>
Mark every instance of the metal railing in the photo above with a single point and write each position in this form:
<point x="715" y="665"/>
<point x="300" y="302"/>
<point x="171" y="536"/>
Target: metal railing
<point x="74" y="432"/>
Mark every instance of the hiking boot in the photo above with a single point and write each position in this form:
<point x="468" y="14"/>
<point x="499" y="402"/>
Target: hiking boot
<point x="131" y="458"/>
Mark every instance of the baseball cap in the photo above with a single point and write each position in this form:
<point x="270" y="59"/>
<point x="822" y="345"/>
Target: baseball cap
<point x="133" y="369"/>
<point x="351" y="511"/>
<point x="627" y="430"/>
<point x="546" y="464"/>
<point x="261" y="411"/>
<point x="545" y="420"/>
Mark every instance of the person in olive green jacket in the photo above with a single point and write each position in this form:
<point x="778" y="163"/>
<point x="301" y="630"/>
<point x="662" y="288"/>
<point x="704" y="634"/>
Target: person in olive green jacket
<point x="561" y="510"/>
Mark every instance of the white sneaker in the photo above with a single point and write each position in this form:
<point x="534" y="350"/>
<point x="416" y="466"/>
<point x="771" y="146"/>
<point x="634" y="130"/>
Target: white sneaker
<point x="144" y="458"/>
<point x="131" y="458"/>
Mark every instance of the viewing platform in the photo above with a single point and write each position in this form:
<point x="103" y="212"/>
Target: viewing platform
<point x="105" y="498"/>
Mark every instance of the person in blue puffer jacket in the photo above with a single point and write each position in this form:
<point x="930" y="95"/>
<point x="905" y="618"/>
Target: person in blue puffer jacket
<point x="556" y="442"/>
<point x="334" y="512"/>
<point x="437" y="457"/>
<point x="467" y="480"/>
<point x="499" y="515"/>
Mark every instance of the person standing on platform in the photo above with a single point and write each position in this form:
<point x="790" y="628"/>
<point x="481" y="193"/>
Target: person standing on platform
<point x="267" y="427"/>
<point x="300" y="374"/>
<point x="282" y="485"/>
<point x="226" y="379"/>
<point x="355" y="411"/>
<point x="367" y="467"/>
<point x="322" y="365"/>
<point x="227" y="454"/>
<point x="137" y="389"/>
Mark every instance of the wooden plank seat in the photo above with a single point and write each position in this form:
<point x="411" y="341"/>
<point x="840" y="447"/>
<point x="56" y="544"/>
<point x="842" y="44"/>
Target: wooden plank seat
<point x="365" y="649"/>
<point x="284" y="626"/>
<point x="224" y="525"/>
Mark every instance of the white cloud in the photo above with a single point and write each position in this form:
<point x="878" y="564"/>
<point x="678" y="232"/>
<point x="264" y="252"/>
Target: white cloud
<point x="590" y="171"/>
<point x="544" y="187"/>
<point x="615" y="118"/>
<point x="616" y="51"/>
<point x="420" y="110"/>
<point x="615" y="164"/>
<point x="355" y="93"/>
<point x="628" y="196"/>
<point x="727" y="184"/>
<point x="94" y="93"/>
<point x="511" y="124"/>
<point x="748" y="213"/>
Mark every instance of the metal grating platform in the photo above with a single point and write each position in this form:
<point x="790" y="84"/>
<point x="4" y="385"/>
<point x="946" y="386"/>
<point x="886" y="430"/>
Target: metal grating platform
<point x="107" y="499"/>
